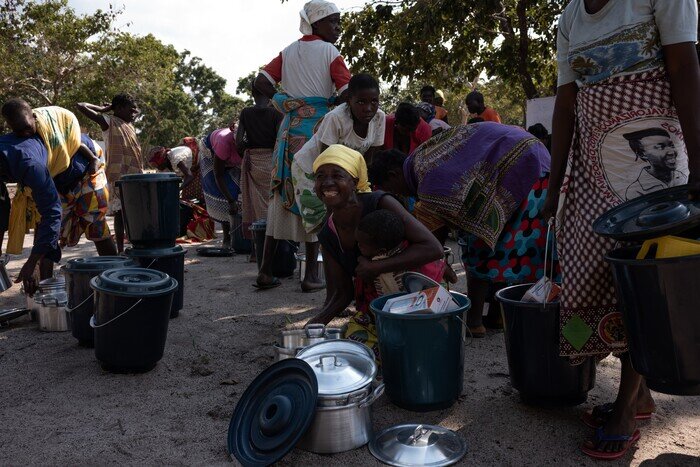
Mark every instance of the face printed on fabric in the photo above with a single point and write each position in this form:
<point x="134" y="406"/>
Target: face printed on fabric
<point x="328" y="28"/>
<point x="659" y="151"/>
<point x="127" y="112"/>
<point x="24" y="125"/>
<point x="366" y="245"/>
<point x="364" y="104"/>
<point x="334" y="186"/>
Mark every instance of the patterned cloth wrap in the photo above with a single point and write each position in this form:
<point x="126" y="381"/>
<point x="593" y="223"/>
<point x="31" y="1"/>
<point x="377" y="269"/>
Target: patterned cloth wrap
<point x="85" y="209"/>
<point x="600" y="171"/>
<point x="474" y="177"/>
<point x="217" y="205"/>
<point x="301" y="116"/>
<point x="519" y="254"/>
<point x="124" y="157"/>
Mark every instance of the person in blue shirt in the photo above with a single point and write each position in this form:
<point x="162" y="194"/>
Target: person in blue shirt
<point x="82" y="188"/>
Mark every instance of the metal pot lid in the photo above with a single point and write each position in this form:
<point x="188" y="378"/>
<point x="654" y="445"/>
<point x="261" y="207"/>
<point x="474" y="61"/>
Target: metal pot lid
<point x="98" y="263"/>
<point x="418" y="445"/>
<point x="273" y="413"/>
<point x="336" y="345"/>
<point x="664" y="212"/>
<point x="53" y="283"/>
<point x="134" y="282"/>
<point x="54" y="298"/>
<point x="339" y="371"/>
<point x="150" y="177"/>
<point x="415" y="282"/>
<point x="155" y="252"/>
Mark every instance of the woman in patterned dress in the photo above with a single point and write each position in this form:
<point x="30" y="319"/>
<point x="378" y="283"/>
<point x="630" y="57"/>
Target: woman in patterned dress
<point x="625" y="124"/>
<point x="488" y="180"/>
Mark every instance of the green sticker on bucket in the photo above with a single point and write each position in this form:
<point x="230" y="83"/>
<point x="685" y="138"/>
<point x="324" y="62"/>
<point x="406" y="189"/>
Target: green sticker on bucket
<point x="577" y="332"/>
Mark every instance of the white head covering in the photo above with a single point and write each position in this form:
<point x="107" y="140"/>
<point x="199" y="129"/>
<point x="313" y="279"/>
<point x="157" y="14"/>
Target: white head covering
<point x="313" y="11"/>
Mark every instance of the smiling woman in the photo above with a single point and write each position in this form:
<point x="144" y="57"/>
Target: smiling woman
<point x="342" y="185"/>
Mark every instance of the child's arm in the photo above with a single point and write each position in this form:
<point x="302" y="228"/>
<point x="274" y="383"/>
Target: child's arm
<point x="94" y="113"/>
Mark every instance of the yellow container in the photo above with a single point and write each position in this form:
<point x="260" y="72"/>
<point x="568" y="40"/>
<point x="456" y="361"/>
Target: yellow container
<point x="670" y="247"/>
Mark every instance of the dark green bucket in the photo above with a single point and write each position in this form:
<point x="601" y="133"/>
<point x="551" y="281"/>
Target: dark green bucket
<point x="422" y="355"/>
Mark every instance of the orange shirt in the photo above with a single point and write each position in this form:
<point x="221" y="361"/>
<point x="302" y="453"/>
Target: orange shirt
<point x="490" y="115"/>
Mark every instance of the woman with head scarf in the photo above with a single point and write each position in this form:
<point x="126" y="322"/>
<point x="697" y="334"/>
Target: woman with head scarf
<point x="342" y="185"/>
<point x="310" y="71"/>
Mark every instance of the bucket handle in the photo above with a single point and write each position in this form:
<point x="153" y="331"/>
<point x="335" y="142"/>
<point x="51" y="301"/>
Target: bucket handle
<point x="471" y="338"/>
<point x="71" y="310"/>
<point x="97" y="326"/>
<point x="547" y="242"/>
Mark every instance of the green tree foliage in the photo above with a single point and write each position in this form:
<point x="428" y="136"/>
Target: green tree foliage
<point x="451" y="42"/>
<point x="53" y="56"/>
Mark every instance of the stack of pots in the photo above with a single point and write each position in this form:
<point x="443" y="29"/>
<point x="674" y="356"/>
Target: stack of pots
<point x="78" y="273"/>
<point x="292" y="341"/>
<point x="49" y="305"/>
<point x="659" y="296"/>
<point x="151" y="210"/>
<point x="132" y="310"/>
<point x="320" y="402"/>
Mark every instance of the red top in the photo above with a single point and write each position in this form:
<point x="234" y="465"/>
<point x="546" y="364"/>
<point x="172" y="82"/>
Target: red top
<point x="422" y="133"/>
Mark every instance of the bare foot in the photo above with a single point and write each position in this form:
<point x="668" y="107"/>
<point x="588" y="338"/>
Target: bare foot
<point x="312" y="286"/>
<point x="620" y="423"/>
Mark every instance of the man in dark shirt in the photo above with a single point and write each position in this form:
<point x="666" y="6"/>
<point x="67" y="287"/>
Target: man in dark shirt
<point x="24" y="160"/>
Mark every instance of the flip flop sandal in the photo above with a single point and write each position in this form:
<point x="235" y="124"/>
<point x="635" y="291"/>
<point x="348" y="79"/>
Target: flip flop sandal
<point x="603" y="455"/>
<point x="275" y="283"/>
<point x="600" y="414"/>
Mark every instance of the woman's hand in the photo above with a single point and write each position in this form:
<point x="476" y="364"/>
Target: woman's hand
<point x="366" y="269"/>
<point x="26" y="275"/>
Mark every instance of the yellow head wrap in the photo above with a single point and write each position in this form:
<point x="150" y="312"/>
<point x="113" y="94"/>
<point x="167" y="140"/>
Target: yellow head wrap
<point x="352" y="161"/>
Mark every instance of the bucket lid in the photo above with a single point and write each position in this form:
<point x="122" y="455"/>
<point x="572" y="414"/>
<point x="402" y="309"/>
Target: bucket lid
<point x="155" y="252"/>
<point x="664" y="212"/>
<point x="137" y="282"/>
<point x="98" y="263"/>
<point x="418" y="445"/>
<point x="260" y="224"/>
<point x="150" y="177"/>
<point x="339" y="369"/>
<point x="273" y="413"/>
<point x="52" y="284"/>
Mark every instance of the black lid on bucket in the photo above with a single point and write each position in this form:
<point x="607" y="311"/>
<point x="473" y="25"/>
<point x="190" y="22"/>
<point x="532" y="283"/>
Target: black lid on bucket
<point x="134" y="282"/>
<point x="155" y="252"/>
<point x="150" y="177"/>
<point x="664" y="212"/>
<point x="273" y="413"/>
<point x="98" y="263"/>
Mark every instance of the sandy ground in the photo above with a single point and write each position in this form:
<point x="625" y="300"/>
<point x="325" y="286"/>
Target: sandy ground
<point x="60" y="407"/>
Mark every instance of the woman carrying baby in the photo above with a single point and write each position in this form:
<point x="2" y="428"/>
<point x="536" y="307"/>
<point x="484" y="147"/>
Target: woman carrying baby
<point x="341" y="184"/>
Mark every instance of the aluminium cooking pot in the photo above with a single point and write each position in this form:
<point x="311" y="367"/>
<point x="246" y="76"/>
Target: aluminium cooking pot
<point x="345" y="371"/>
<point x="51" y="311"/>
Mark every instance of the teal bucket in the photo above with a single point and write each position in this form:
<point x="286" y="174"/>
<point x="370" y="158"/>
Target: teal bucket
<point x="422" y="355"/>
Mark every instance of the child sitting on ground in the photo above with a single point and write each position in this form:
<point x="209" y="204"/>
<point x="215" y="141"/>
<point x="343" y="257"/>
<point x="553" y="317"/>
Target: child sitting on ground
<point x="380" y="235"/>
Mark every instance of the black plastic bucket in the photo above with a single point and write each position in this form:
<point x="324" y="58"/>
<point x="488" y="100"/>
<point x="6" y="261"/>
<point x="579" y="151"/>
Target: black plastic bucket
<point x="660" y="301"/>
<point x="422" y="355"/>
<point x="532" y="345"/>
<point x="78" y="273"/>
<point x="132" y="307"/>
<point x="168" y="260"/>
<point x="151" y="208"/>
<point x="284" y="260"/>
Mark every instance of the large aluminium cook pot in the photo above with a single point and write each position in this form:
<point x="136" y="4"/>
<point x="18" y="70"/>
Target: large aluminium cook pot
<point x="291" y="341"/>
<point x="51" y="311"/>
<point x="344" y="371"/>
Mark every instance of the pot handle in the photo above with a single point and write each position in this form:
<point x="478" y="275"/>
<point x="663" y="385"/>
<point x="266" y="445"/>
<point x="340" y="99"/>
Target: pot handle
<point x="372" y="398"/>
<point x="471" y="338"/>
<point x="315" y="330"/>
<point x="48" y="302"/>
